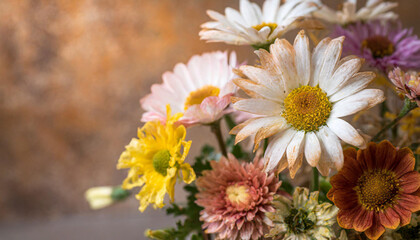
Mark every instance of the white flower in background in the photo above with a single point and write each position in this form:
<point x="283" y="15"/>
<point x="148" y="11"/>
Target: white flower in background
<point x="373" y="10"/>
<point x="200" y="89"/>
<point x="302" y="98"/>
<point x="104" y="196"/>
<point x="255" y="26"/>
<point x="99" y="197"/>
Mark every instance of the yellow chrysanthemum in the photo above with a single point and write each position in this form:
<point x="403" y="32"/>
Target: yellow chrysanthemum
<point x="155" y="159"/>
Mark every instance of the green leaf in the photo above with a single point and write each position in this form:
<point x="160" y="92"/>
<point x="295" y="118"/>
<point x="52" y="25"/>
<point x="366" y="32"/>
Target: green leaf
<point x="237" y="150"/>
<point x="324" y="187"/>
<point x="286" y="185"/>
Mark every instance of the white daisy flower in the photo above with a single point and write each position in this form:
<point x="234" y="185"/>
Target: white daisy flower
<point x="302" y="97"/>
<point x="374" y="10"/>
<point x="255" y="26"/>
<point x="200" y="89"/>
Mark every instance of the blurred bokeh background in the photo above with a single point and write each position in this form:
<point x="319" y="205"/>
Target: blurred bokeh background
<point x="72" y="74"/>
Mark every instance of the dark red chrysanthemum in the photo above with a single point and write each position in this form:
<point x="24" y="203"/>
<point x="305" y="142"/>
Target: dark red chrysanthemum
<point x="377" y="188"/>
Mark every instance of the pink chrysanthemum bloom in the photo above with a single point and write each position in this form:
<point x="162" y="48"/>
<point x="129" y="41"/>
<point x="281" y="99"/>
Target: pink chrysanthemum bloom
<point x="407" y="83"/>
<point x="200" y="89"/>
<point x="235" y="197"/>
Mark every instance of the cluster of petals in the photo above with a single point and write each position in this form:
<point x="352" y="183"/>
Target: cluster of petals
<point x="202" y="74"/>
<point x="235" y="197"/>
<point x="287" y="68"/>
<point x="373" y="10"/>
<point x="377" y="188"/>
<point x="407" y="83"/>
<point x="255" y="26"/>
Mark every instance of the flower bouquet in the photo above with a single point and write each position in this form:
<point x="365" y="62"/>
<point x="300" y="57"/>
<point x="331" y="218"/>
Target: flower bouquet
<point x="340" y="101"/>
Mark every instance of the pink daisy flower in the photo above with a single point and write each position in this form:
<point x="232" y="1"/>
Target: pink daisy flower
<point x="235" y="197"/>
<point x="201" y="89"/>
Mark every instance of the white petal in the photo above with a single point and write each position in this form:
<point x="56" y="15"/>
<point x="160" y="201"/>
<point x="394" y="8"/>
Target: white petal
<point x="303" y="58"/>
<point x="295" y="152"/>
<point x="248" y="13"/>
<point x="261" y="91"/>
<point x="266" y="76"/>
<point x="362" y="100"/>
<point x="258" y="106"/>
<point x="327" y="14"/>
<point x="342" y="75"/>
<point x="330" y="60"/>
<point x="254" y="125"/>
<point x="349" y="11"/>
<point x="346" y="132"/>
<point x="270" y="8"/>
<point x="277" y="147"/>
<point x="212" y="25"/>
<point x="219" y="36"/>
<point x="234" y="16"/>
<point x="284" y="55"/>
<point x="220" y="18"/>
<point x="264" y="32"/>
<point x="312" y="149"/>
<point x="332" y="145"/>
<point x="356" y="83"/>
<point x="317" y="61"/>
<point x="382" y="8"/>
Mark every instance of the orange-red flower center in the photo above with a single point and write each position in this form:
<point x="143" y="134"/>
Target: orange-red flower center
<point x="380" y="46"/>
<point x="238" y="195"/>
<point x="377" y="190"/>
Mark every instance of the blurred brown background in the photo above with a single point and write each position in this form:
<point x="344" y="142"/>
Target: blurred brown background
<point x="72" y="73"/>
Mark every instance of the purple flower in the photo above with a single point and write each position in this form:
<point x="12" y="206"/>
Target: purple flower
<point x="384" y="46"/>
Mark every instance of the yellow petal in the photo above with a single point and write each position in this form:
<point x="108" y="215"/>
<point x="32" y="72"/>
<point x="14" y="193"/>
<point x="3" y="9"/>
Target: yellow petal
<point x="188" y="174"/>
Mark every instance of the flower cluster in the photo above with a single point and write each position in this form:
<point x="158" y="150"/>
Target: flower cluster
<point x="295" y="104"/>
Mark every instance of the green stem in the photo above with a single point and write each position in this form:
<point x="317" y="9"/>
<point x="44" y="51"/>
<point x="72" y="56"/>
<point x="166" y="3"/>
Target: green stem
<point x="408" y="106"/>
<point x="229" y="121"/>
<point x="265" y="144"/>
<point x="216" y="129"/>
<point x="205" y="235"/>
<point x="118" y="193"/>
<point x="265" y="46"/>
<point x="315" y="179"/>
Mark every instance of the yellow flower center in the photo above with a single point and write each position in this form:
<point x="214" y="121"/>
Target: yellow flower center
<point x="377" y="190"/>
<point x="307" y="108"/>
<point x="238" y="195"/>
<point x="380" y="46"/>
<point x="161" y="161"/>
<point x="197" y="96"/>
<point x="272" y="26"/>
